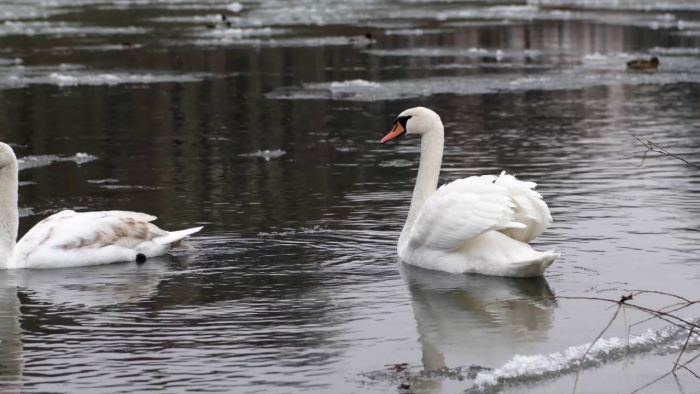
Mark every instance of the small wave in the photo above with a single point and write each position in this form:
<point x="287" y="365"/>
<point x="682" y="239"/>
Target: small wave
<point x="522" y="369"/>
<point x="265" y="154"/>
<point x="293" y="231"/>
<point x="42" y="161"/>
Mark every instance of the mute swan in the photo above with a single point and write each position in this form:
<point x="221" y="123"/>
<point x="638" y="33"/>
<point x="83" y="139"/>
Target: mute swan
<point x="479" y="224"/>
<point x="69" y="239"/>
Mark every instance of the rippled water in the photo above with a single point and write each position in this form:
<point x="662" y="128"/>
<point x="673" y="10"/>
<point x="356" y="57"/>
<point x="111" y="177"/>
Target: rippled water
<point x="267" y="134"/>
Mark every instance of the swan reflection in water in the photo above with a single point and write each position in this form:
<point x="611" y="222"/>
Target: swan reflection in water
<point x="460" y="320"/>
<point x="95" y="286"/>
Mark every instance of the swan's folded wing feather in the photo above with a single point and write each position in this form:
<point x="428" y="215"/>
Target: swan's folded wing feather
<point x="530" y="208"/>
<point x="71" y="231"/>
<point x="459" y="211"/>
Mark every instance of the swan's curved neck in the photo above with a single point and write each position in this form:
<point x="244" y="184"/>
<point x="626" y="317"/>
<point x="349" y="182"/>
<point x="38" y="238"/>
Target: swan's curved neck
<point x="9" y="218"/>
<point x="428" y="173"/>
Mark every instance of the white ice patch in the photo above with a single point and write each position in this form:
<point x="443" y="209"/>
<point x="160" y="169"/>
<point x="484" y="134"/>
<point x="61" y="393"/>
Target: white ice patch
<point x="442" y="52"/>
<point x="224" y="32"/>
<point x="356" y="83"/>
<point x="521" y="369"/>
<point x="36" y="28"/>
<point x="235" y="7"/>
<point x="680" y="51"/>
<point x="265" y="154"/>
<point x="412" y="32"/>
<point x="103" y="181"/>
<point x="673" y="70"/>
<point x="67" y="75"/>
<point x="45" y="160"/>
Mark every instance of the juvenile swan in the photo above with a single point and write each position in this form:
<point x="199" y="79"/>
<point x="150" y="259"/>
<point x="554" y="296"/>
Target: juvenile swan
<point x="69" y="239"/>
<point x="479" y="224"/>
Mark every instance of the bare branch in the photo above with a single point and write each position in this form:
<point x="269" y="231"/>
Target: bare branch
<point x="652" y="147"/>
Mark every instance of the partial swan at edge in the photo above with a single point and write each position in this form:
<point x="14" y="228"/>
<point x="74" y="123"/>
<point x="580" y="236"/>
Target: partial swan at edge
<point x="69" y="239"/>
<point x="479" y="224"/>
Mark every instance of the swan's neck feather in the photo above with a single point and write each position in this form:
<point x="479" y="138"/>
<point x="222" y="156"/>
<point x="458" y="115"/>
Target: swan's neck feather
<point x="9" y="217"/>
<point x="428" y="173"/>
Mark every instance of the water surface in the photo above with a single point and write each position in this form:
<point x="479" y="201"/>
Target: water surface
<point x="267" y="133"/>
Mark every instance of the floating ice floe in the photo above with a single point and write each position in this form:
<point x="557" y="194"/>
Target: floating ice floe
<point x="45" y="160"/>
<point x="35" y="28"/>
<point x="69" y="75"/>
<point x="265" y="154"/>
<point x="673" y="70"/>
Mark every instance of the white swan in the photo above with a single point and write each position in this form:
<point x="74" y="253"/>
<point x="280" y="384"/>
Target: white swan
<point x="69" y="239"/>
<point x="479" y="224"/>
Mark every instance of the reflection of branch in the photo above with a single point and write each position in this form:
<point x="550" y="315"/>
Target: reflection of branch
<point x="652" y="147"/>
<point x="664" y="375"/>
<point x="583" y="358"/>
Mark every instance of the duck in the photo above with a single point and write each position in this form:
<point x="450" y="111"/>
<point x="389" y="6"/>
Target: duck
<point x="643" y="64"/>
<point x="224" y="21"/>
<point x="480" y="224"/>
<point x="128" y="44"/>
<point x="70" y="239"/>
<point x="362" y="40"/>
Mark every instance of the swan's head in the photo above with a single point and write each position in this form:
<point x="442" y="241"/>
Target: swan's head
<point x="7" y="155"/>
<point x="418" y="120"/>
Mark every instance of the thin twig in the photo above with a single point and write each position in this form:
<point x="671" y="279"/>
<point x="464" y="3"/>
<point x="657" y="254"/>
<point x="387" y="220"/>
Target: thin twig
<point x="688" y="369"/>
<point x="687" y="339"/>
<point x="652" y="147"/>
<point x="638" y="292"/>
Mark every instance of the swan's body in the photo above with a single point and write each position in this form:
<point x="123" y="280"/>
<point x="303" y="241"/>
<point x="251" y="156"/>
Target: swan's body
<point x="69" y="239"/>
<point x="479" y="224"/>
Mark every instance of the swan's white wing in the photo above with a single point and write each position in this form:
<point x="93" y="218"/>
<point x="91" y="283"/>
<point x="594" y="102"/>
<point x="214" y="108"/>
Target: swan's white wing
<point x="77" y="238"/>
<point x="530" y="209"/>
<point x="459" y="211"/>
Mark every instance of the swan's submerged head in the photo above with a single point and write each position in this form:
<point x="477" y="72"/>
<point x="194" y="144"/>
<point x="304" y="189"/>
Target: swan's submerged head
<point x="418" y="120"/>
<point x="7" y="155"/>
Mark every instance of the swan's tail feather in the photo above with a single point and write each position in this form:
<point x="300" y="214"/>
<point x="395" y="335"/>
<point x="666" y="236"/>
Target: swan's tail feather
<point x="534" y="267"/>
<point x="176" y="238"/>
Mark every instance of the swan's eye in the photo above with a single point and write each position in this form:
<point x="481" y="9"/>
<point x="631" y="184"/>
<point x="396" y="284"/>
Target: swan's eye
<point x="402" y="120"/>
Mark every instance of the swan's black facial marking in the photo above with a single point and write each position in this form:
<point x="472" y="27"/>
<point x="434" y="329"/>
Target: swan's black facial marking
<point x="403" y="120"/>
<point x="398" y="130"/>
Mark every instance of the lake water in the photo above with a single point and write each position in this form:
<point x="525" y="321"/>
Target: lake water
<point x="267" y="134"/>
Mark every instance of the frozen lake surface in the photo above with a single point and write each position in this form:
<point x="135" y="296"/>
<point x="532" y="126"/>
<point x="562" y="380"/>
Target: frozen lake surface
<point x="266" y="132"/>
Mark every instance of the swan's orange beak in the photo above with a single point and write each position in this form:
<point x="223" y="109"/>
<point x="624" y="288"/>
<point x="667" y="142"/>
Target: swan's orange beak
<point x="395" y="132"/>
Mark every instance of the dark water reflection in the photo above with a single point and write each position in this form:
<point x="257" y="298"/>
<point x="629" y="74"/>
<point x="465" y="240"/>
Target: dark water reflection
<point x="294" y="285"/>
